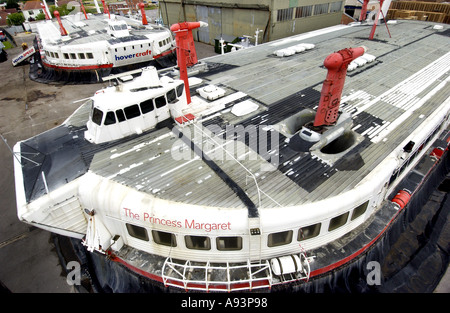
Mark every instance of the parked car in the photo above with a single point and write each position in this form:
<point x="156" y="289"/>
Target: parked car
<point x="2" y="36"/>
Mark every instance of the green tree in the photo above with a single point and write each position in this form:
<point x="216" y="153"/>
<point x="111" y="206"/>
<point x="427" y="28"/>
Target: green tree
<point x="40" y="17"/>
<point x="12" y="4"/>
<point x="15" y="19"/>
<point x="61" y="9"/>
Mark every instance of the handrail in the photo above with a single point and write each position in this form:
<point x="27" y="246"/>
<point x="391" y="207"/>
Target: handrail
<point x="206" y="276"/>
<point x="232" y="156"/>
<point x="183" y="270"/>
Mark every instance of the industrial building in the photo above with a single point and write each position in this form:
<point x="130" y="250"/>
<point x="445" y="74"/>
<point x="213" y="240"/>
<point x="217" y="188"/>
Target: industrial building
<point x="275" y="19"/>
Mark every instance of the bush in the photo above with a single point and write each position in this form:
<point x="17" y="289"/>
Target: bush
<point x="40" y="17"/>
<point x="62" y="10"/>
<point x="15" y="19"/>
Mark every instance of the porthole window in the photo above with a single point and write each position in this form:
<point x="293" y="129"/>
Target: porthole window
<point x="338" y="221"/>
<point x="279" y="239"/>
<point x="198" y="242"/>
<point x="229" y="243"/>
<point x="137" y="232"/>
<point x="360" y="210"/>
<point x="164" y="238"/>
<point x="97" y="116"/>
<point x="308" y="232"/>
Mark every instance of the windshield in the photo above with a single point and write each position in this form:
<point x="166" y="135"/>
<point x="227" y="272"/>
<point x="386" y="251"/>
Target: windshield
<point x="97" y="116"/>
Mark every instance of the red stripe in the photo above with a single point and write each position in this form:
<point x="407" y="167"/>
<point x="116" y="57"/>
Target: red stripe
<point x="354" y="255"/>
<point x="86" y="67"/>
<point x="312" y="274"/>
<point x="93" y="67"/>
<point x="163" y="54"/>
<point x="137" y="270"/>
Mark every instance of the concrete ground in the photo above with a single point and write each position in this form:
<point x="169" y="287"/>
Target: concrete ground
<point x="28" y="260"/>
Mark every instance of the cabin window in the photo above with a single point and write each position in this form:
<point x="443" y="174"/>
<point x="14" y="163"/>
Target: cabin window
<point x="197" y="242"/>
<point x="120" y="116"/>
<point x="338" y="221"/>
<point x="56" y="55"/>
<point x="81" y="56"/>
<point x="160" y="102"/>
<point x="66" y="56"/>
<point x="360" y="210"/>
<point x="137" y="232"/>
<point x="110" y="118"/>
<point x="147" y="106"/>
<point x="171" y="96"/>
<point x="73" y="56"/>
<point x="160" y="43"/>
<point x="163" y="238"/>
<point x="308" y="232"/>
<point x="97" y="116"/>
<point x="90" y="55"/>
<point x="229" y="243"/>
<point x="132" y="111"/>
<point x="180" y="89"/>
<point x="279" y="239"/>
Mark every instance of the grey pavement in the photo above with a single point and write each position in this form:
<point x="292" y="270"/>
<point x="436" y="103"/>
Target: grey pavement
<point x="28" y="260"/>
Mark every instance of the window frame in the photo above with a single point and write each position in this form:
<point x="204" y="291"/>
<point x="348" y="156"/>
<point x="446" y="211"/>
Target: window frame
<point x="156" y="236"/>
<point x="273" y="241"/>
<point x="173" y="96"/>
<point x="193" y="246"/>
<point x="223" y="247"/>
<point x="311" y="231"/>
<point x="179" y="90"/>
<point x="110" y="118"/>
<point x="359" y="210"/>
<point x="147" y="104"/>
<point x="338" y="221"/>
<point x="96" y="118"/>
<point x="132" y="111"/>
<point x="134" y="229"/>
<point x="160" y="105"/>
